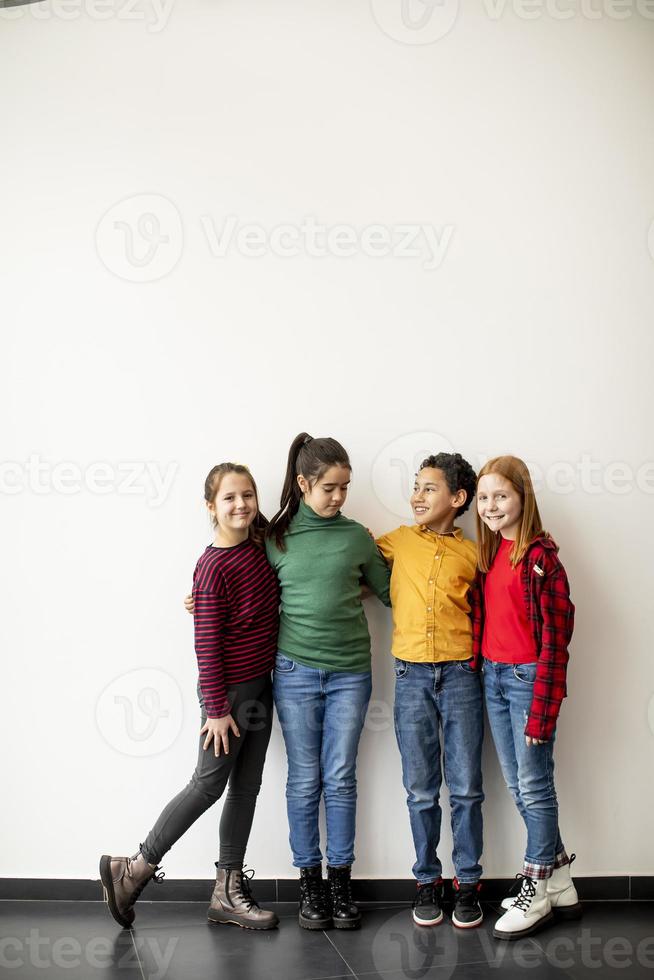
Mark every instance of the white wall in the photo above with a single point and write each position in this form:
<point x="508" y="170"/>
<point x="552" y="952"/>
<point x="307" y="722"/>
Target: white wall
<point x="522" y="137"/>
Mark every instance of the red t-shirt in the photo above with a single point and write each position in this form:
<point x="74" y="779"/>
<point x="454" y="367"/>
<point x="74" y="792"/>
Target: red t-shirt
<point x="507" y="634"/>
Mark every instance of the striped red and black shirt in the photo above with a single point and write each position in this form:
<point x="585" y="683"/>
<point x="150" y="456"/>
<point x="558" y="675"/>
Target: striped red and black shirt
<point x="236" y="620"/>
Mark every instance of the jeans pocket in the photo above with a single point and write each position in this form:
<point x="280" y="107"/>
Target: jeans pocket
<point x="525" y="673"/>
<point x="467" y="666"/>
<point x="401" y="667"/>
<point x="284" y="664"/>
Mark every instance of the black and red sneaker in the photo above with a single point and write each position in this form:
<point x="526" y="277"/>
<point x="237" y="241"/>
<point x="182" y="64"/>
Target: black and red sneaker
<point x="467" y="912"/>
<point x="427" y="909"/>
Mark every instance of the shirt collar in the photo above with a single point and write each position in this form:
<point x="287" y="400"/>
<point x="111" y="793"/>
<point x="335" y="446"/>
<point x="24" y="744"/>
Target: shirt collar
<point x="456" y="532"/>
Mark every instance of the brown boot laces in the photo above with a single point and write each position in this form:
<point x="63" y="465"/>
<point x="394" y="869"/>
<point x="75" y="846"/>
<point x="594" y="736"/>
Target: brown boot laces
<point x="139" y="888"/>
<point x="246" y="876"/>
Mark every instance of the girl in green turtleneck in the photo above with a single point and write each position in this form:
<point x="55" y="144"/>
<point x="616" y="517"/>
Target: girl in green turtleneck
<point x="322" y="680"/>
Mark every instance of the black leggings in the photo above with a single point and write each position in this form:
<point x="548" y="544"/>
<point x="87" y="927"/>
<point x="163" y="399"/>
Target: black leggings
<point x="251" y="704"/>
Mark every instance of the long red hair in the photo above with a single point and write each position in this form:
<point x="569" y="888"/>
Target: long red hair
<point x="516" y="472"/>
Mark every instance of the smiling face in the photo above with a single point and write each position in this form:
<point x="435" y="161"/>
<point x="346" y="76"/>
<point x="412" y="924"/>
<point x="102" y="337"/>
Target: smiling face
<point x="434" y="505"/>
<point x="326" y="495"/>
<point x="499" y="505"/>
<point x="235" y="503"/>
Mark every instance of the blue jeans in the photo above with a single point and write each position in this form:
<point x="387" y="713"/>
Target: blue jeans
<point x="528" y="769"/>
<point x="321" y="713"/>
<point x="430" y="698"/>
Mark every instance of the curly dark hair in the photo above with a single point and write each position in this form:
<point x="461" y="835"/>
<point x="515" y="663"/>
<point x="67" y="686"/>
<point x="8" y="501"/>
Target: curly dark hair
<point x="459" y="475"/>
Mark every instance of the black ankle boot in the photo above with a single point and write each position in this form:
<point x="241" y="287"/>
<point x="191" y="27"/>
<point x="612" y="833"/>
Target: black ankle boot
<point x="345" y="913"/>
<point x="314" y="904"/>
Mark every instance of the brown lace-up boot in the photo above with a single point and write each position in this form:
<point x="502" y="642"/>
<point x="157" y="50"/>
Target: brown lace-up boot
<point x="123" y="880"/>
<point x="232" y="902"/>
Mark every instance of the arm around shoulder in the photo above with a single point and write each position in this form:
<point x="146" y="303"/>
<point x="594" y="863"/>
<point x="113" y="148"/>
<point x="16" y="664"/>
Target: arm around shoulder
<point x="376" y="573"/>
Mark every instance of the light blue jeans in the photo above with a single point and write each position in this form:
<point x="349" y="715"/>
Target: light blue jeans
<point x="528" y="769"/>
<point x="439" y="711"/>
<point x="321" y="713"/>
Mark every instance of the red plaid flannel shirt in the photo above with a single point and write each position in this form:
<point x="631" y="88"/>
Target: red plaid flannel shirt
<point x="551" y="615"/>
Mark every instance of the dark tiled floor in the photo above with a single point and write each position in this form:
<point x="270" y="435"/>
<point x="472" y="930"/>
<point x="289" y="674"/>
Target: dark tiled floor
<point x="173" y="941"/>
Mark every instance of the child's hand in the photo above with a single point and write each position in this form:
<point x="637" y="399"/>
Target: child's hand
<point x="535" y="741"/>
<point x="189" y="604"/>
<point x="218" y="729"/>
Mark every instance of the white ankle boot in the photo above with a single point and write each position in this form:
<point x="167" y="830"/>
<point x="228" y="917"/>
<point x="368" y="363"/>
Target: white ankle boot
<point x="528" y="912"/>
<point x="561" y="892"/>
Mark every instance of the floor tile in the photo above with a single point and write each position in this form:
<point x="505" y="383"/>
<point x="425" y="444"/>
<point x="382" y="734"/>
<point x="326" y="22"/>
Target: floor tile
<point x="195" y="949"/>
<point x="57" y="940"/>
<point x="174" y="941"/>
<point x="611" y="939"/>
<point x="390" y="943"/>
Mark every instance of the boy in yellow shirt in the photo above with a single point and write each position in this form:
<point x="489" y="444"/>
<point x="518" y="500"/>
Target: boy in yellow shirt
<point x="438" y="693"/>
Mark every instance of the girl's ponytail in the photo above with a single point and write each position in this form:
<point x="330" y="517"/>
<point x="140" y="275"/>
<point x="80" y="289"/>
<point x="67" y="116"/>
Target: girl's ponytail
<point x="311" y="458"/>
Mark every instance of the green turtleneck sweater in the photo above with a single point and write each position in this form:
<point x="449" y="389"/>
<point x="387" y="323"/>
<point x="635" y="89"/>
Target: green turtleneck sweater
<point x="322" y="622"/>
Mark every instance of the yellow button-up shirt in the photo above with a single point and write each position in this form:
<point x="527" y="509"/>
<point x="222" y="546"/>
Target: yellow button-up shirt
<point x="430" y="578"/>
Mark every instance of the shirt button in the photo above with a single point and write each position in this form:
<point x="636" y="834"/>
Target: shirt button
<point x="428" y="608"/>
<point x="431" y="581"/>
<point x="428" y="634"/>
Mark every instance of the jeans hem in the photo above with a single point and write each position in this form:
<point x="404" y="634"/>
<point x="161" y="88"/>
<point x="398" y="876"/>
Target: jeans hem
<point x="307" y="864"/>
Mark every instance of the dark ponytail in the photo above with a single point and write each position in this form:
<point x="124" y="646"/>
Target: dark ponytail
<point x="256" y="531"/>
<point x="310" y="458"/>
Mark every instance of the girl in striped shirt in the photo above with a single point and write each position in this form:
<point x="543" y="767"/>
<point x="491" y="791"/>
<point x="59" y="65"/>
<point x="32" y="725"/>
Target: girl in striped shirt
<point x="236" y="625"/>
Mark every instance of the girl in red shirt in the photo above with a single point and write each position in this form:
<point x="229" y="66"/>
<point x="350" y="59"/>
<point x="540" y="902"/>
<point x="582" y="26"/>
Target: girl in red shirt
<point x="525" y="625"/>
<point x="236" y="625"/>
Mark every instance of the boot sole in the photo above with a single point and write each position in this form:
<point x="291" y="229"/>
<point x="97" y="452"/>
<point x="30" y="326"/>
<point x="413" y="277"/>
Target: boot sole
<point x="242" y="925"/>
<point x="567" y="911"/>
<point x="560" y="911"/>
<point x="315" y="923"/>
<point x="345" y="924"/>
<point x="108" y="889"/>
<point x="497" y="934"/>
